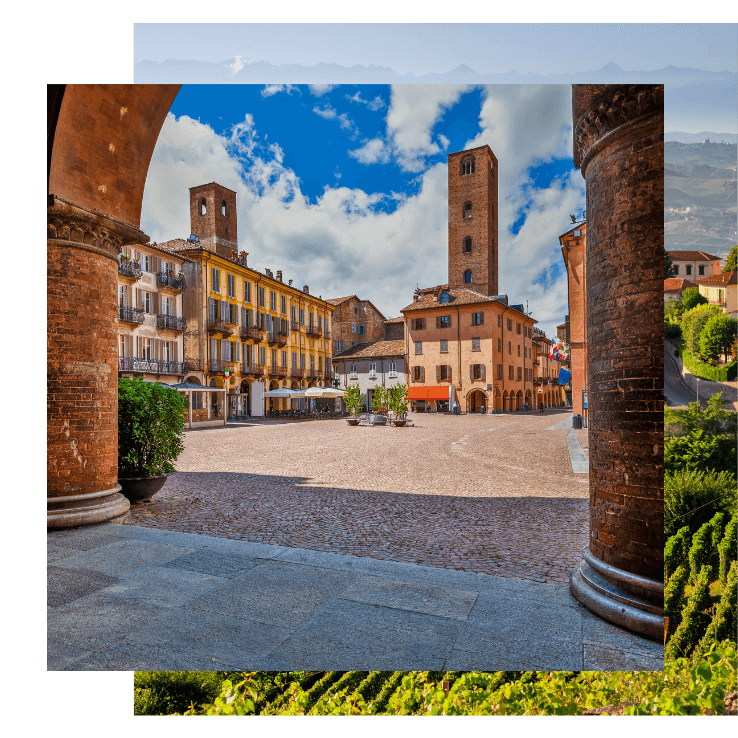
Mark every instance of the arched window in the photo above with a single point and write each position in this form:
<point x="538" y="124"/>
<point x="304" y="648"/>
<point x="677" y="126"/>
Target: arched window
<point x="224" y="208"/>
<point x="467" y="210"/>
<point x="467" y="165"/>
<point x="467" y="245"/>
<point x="203" y="208"/>
<point x="467" y="276"/>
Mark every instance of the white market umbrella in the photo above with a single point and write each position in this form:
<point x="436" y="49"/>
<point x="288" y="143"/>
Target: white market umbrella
<point x="282" y="392"/>
<point x="323" y="392"/>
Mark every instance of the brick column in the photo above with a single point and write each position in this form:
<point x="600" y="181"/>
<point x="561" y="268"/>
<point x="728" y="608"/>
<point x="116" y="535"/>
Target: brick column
<point x="619" y="146"/>
<point x="82" y="379"/>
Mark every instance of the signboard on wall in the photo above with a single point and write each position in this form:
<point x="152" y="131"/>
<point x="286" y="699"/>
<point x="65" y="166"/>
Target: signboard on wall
<point x="584" y="399"/>
<point x="257" y="399"/>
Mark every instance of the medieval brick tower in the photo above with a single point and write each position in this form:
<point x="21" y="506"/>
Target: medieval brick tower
<point x="472" y="220"/>
<point x="213" y="217"/>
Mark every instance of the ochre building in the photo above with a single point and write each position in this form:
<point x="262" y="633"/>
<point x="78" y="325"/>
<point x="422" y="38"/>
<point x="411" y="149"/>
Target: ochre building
<point x="247" y="331"/>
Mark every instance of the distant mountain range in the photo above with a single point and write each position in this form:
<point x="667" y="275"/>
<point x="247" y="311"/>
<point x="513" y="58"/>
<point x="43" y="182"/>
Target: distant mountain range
<point x="687" y="138"/>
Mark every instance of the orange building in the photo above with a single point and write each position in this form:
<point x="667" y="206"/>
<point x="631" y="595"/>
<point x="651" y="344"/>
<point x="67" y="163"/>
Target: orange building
<point x="573" y="249"/>
<point x="467" y="347"/>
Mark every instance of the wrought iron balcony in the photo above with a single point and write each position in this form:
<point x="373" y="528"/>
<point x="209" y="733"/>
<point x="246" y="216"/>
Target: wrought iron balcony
<point x="171" y="322"/>
<point x="171" y="367"/>
<point x="170" y="281"/>
<point x="220" y="326"/>
<point x="223" y="365"/>
<point x="150" y="366"/>
<point x="258" y="368"/>
<point x="193" y="365"/>
<point x="129" y="269"/>
<point x="329" y="374"/>
<point x="280" y="371"/>
<point x="125" y="363"/>
<point x="313" y="331"/>
<point x="298" y="372"/>
<point x="294" y="325"/>
<point x="131" y="314"/>
<point x="249" y="331"/>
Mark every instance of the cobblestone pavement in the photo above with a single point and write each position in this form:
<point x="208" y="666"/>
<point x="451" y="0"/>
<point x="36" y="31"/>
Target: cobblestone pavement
<point x="493" y="494"/>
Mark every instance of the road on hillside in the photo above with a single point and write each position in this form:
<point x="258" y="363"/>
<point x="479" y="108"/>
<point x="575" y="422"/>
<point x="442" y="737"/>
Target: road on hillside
<point x="677" y="393"/>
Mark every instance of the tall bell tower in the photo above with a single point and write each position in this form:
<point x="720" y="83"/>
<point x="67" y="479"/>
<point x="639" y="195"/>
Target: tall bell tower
<point x="472" y="220"/>
<point x="213" y="217"/>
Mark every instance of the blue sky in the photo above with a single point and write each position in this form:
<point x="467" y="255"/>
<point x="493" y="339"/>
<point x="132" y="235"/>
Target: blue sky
<point x="344" y="188"/>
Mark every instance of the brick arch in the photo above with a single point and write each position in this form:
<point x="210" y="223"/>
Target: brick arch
<point x="100" y="140"/>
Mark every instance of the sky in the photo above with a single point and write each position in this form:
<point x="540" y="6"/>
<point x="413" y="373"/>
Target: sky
<point x="439" y="47"/>
<point x="345" y="189"/>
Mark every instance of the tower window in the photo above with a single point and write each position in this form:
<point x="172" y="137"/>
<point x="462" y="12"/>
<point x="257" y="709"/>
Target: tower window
<point x="467" y="165"/>
<point x="467" y="276"/>
<point x="224" y="208"/>
<point x="467" y="210"/>
<point x="203" y="207"/>
<point x="467" y="245"/>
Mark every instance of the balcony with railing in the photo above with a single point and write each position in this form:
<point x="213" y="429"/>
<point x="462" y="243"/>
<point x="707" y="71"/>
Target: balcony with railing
<point x="129" y="270"/>
<point x="221" y="326"/>
<point x="313" y="331"/>
<point x="294" y="325"/>
<point x="193" y="365"/>
<point x="168" y="281"/>
<point x="131" y="314"/>
<point x="257" y="369"/>
<point x="280" y="339"/>
<point x="171" y="367"/>
<point x="250" y="331"/>
<point x="299" y="373"/>
<point x="223" y="365"/>
<point x="280" y="371"/>
<point x="138" y="364"/>
<point x="170" y="323"/>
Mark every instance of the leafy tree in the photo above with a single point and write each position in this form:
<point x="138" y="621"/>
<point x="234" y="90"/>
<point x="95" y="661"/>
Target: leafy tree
<point x="352" y="399"/>
<point x="672" y="310"/>
<point x="380" y="398"/>
<point x="692" y="324"/>
<point x="668" y="267"/>
<point x="691" y="297"/>
<point x="731" y="262"/>
<point x="398" y="399"/>
<point x="717" y="336"/>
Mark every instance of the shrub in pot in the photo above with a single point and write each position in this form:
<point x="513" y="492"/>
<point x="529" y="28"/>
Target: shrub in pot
<point x="352" y="400"/>
<point x="151" y="420"/>
<point x="397" y="398"/>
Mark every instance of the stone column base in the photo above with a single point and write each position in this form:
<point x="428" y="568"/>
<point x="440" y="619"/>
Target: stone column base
<point x="628" y="600"/>
<point x="94" y="507"/>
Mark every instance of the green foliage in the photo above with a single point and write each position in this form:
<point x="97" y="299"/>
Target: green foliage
<point x="717" y="337"/>
<point x="668" y="267"/>
<point x="672" y="331"/>
<point x="700" y="452"/>
<point x="674" y="597"/>
<point x="691" y="498"/>
<point x="692" y="298"/>
<point x="676" y="549"/>
<point x="693" y="321"/>
<point x="673" y="310"/>
<point x="695" y="618"/>
<point x="151" y="420"/>
<point x="725" y="373"/>
<point x="713" y="419"/>
<point x="352" y="399"/>
<point x="380" y="399"/>
<point x="727" y="548"/>
<point x="699" y="552"/>
<point x="398" y="399"/>
<point x="173" y="692"/>
<point x="731" y="263"/>
<point x="723" y="625"/>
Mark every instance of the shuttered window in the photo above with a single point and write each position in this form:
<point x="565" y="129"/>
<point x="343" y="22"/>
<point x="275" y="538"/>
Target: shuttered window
<point x="477" y="318"/>
<point x="443" y="372"/>
<point x="475" y="344"/>
<point x="476" y="372"/>
<point x="443" y="321"/>
<point x="444" y="346"/>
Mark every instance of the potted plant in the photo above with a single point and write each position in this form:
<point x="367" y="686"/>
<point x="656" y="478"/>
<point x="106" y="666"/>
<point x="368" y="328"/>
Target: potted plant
<point x="151" y="420"/>
<point x="125" y="257"/>
<point x="380" y="400"/>
<point x="398" y="403"/>
<point x="352" y="400"/>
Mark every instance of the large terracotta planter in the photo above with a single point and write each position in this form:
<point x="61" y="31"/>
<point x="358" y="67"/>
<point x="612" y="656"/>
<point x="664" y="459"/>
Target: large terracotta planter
<point x="400" y="423"/>
<point x="140" y="489"/>
<point x="352" y="421"/>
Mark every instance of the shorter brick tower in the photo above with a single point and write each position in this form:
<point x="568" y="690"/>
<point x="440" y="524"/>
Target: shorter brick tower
<point x="472" y="220"/>
<point x="213" y="217"/>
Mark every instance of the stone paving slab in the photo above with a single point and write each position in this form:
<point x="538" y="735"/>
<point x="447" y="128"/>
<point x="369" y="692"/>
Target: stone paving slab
<point x="309" y="610"/>
<point x="579" y="460"/>
<point x="54" y="552"/>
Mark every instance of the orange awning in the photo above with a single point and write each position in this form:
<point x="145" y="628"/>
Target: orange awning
<point x="427" y="393"/>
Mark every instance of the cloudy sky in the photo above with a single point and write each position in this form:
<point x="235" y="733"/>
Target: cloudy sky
<point x="345" y="188"/>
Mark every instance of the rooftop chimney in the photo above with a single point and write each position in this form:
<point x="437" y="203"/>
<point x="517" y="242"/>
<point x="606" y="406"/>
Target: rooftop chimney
<point x="234" y="254"/>
<point x="279" y="274"/>
<point x="289" y="283"/>
<point x="306" y="290"/>
<point x="269" y="273"/>
<point x="415" y="298"/>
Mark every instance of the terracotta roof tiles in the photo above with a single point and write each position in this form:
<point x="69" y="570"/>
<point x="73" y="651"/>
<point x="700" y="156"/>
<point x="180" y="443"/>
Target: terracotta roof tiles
<point x="376" y="348"/>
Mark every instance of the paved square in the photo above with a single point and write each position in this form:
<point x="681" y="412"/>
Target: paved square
<point x="484" y="493"/>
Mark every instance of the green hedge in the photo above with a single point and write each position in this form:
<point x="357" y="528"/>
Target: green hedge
<point x="702" y="370"/>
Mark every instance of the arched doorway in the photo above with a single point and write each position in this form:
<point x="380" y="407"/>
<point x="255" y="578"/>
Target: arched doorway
<point x="505" y="401"/>
<point x="519" y="400"/>
<point x="529" y="399"/>
<point x="476" y="402"/>
<point x="192" y="380"/>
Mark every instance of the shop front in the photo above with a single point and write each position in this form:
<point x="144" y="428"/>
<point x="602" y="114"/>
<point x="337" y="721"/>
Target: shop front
<point x="432" y="399"/>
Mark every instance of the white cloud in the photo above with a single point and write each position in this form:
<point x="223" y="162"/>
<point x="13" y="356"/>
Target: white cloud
<point x="371" y="152"/>
<point x="320" y="89"/>
<point x="270" y="90"/>
<point x="330" y="113"/>
<point x="376" y="104"/>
